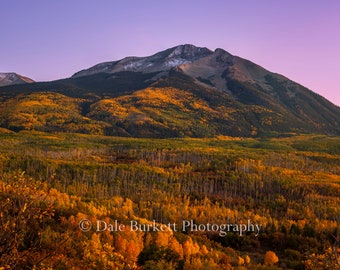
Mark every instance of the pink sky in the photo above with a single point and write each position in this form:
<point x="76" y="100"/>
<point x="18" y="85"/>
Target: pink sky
<point x="48" y="40"/>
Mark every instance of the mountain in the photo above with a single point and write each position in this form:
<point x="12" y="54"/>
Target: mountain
<point x="13" y="78"/>
<point x="181" y="91"/>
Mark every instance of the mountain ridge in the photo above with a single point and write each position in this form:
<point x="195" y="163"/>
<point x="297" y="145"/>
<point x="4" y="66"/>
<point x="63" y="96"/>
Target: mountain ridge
<point x="182" y="91"/>
<point x="161" y="61"/>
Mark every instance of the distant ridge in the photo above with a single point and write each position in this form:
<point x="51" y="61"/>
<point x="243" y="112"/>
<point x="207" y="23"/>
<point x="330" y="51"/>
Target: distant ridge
<point x="11" y="78"/>
<point x="184" y="91"/>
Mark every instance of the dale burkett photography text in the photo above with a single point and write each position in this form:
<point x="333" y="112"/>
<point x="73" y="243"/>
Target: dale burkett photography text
<point x="223" y="229"/>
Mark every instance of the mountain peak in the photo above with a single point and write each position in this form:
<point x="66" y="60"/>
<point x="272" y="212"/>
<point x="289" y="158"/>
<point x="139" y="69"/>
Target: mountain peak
<point x="189" y="50"/>
<point x="9" y="78"/>
<point x="221" y="51"/>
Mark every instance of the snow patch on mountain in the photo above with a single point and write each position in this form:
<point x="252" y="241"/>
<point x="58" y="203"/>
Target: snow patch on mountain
<point x="175" y="62"/>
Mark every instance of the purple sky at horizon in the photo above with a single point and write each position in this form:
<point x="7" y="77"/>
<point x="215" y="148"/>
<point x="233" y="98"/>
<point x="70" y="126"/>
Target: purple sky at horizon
<point x="49" y="40"/>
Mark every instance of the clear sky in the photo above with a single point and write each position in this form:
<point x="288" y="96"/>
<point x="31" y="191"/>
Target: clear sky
<point x="48" y="40"/>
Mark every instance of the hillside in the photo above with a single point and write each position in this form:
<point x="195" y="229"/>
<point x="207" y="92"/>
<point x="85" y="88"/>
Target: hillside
<point x="184" y="91"/>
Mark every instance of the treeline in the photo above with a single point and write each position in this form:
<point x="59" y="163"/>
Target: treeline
<point x="137" y="174"/>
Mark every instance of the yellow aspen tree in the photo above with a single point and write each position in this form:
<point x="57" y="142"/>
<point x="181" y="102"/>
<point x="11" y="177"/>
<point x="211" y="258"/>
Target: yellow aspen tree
<point x="270" y="258"/>
<point x="176" y="246"/>
<point x="190" y="248"/>
<point x="247" y="259"/>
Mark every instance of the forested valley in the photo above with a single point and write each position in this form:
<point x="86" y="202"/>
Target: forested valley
<point x="51" y="183"/>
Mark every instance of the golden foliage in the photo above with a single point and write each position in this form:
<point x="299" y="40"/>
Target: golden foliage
<point x="270" y="258"/>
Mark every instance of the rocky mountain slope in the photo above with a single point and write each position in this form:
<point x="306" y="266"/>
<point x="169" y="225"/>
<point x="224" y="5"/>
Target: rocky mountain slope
<point x="159" y="62"/>
<point x="182" y="91"/>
